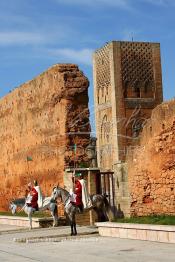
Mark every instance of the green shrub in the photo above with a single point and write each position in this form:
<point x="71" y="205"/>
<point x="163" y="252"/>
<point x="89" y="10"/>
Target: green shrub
<point x="155" y="220"/>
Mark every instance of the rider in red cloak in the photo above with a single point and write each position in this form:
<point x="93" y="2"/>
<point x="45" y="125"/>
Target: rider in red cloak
<point x="78" y="192"/>
<point x="80" y="197"/>
<point x="32" y="197"/>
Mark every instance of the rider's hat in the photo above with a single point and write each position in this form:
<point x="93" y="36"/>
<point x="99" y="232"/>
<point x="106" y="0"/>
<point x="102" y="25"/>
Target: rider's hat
<point x="35" y="182"/>
<point x="78" y="174"/>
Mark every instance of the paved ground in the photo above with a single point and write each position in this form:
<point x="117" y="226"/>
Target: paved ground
<point x="82" y="248"/>
<point x="8" y="228"/>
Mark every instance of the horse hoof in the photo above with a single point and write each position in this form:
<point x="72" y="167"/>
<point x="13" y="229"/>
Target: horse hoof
<point x="73" y="234"/>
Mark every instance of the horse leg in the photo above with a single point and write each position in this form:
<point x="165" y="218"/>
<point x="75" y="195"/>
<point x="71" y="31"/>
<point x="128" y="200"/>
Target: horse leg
<point x="71" y="223"/>
<point x="30" y="219"/>
<point x="55" y="219"/>
<point x="28" y="211"/>
<point x="98" y="213"/>
<point x="54" y="214"/>
<point x="74" y="226"/>
<point x="105" y="215"/>
<point x="75" y="229"/>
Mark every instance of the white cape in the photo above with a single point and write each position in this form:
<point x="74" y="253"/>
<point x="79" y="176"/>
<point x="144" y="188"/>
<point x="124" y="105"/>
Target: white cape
<point x="85" y="195"/>
<point x="40" y="197"/>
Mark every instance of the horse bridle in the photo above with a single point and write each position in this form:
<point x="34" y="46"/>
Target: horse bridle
<point x="65" y="202"/>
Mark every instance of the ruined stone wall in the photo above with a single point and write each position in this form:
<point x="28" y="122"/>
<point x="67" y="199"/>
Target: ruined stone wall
<point x="151" y="166"/>
<point x="43" y="119"/>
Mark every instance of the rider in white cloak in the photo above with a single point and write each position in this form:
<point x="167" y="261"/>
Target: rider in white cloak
<point x="40" y="196"/>
<point x="87" y="203"/>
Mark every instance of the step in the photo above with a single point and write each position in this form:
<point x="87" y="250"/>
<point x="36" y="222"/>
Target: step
<point x="24" y="221"/>
<point x="158" y="233"/>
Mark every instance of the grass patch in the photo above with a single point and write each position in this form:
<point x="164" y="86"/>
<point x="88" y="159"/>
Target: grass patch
<point x="22" y="214"/>
<point x="155" y="220"/>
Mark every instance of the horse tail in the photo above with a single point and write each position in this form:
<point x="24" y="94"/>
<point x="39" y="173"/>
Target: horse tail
<point x="108" y="208"/>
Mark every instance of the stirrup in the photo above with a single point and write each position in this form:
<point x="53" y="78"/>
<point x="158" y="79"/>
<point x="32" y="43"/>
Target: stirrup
<point x="80" y="211"/>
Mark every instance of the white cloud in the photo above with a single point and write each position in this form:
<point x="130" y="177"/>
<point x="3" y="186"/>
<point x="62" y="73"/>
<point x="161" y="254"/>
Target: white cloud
<point x="20" y="38"/>
<point x="114" y="3"/>
<point x="83" y="56"/>
<point x="47" y="35"/>
<point x="129" y="5"/>
<point x="160" y="2"/>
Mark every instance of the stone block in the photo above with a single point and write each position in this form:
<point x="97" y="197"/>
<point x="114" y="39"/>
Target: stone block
<point x="171" y="237"/>
<point x="141" y="234"/>
<point x="152" y="235"/>
<point x="132" y="233"/>
<point x="114" y="232"/>
<point x="163" y="236"/>
<point x="123" y="232"/>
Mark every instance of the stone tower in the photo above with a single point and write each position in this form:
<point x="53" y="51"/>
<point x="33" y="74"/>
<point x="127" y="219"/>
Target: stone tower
<point x="127" y="86"/>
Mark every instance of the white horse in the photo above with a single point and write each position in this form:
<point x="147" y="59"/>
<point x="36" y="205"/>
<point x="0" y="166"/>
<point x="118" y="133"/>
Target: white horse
<point x="100" y="205"/>
<point x="48" y="203"/>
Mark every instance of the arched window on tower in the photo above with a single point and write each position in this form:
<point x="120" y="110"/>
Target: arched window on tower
<point x="105" y="130"/>
<point x="107" y="90"/>
<point x="126" y="91"/>
<point x="98" y="98"/>
<point x="102" y="91"/>
<point x="137" y="89"/>
<point x="148" y="90"/>
<point x="130" y="90"/>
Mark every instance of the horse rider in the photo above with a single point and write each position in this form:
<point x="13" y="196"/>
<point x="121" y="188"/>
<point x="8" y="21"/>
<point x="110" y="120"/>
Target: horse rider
<point x="32" y="197"/>
<point x="82" y="198"/>
<point x="40" y="196"/>
<point x="87" y="203"/>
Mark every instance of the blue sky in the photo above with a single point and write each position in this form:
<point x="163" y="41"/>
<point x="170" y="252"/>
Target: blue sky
<point x="35" y="34"/>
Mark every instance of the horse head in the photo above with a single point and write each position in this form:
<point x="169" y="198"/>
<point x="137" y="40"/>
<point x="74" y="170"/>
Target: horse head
<point x="56" y="192"/>
<point x="12" y="207"/>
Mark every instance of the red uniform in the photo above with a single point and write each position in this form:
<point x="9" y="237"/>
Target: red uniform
<point x="78" y="192"/>
<point x="34" y="201"/>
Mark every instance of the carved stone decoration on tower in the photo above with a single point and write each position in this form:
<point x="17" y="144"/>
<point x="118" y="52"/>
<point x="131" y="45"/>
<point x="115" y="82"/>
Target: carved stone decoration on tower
<point x="91" y="152"/>
<point x="137" y="66"/>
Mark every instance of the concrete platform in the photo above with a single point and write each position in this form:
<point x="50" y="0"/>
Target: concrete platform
<point x="9" y="228"/>
<point x="158" y="233"/>
<point x="24" y="221"/>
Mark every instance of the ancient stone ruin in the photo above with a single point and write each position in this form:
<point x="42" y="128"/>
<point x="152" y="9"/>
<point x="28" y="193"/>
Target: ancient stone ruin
<point x="151" y="165"/>
<point x="127" y="87"/>
<point x="44" y="128"/>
